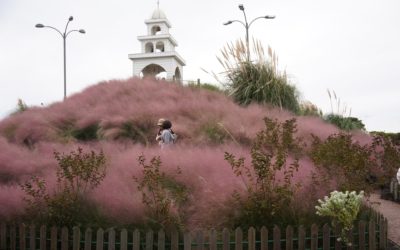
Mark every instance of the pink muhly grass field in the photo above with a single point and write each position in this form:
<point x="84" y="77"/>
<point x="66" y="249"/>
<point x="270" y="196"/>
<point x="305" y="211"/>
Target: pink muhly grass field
<point x="28" y="140"/>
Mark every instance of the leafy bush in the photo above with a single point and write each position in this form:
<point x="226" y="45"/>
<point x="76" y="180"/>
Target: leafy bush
<point x="138" y="132"/>
<point x="77" y="174"/>
<point x="268" y="199"/>
<point x="343" y="209"/>
<point x="343" y="161"/>
<point x="67" y="132"/>
<point x="347" y="165"/>
<point x="345" y="123"/>
<point x="87" y="133"/>
<point x="257" y="81"/>
<point x="394" y="137"/>
<point x="162" y="195"/>
<point x="387" y="154"/>
<point x="214" y="133"/>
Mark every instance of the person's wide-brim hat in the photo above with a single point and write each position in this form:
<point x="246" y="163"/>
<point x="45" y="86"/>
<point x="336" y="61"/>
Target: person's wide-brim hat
<point x="160" y="121"/>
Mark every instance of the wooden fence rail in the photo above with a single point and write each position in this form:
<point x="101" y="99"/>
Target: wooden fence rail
<point x="367" y="235"/>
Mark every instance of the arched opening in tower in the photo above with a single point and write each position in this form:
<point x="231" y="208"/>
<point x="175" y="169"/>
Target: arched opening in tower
<point x="160" y="47"/>
<point x="149" y="47"/>
<point x="155" y="30"/>
<point x="155" y="71"/>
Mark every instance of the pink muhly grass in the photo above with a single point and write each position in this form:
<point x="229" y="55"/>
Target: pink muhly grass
<point x="12" y="204"/>
<point x="204" y="172"/>
<point x="17" y="161"/>
<point x="111" y="104"/>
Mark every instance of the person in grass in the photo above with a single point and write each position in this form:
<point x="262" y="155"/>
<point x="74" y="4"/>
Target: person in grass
<point x="165" y="135"/>
<point x="160" y="129"/>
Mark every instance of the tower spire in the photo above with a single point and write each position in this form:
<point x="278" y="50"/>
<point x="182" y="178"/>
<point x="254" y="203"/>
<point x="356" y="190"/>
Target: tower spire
<point x="158" y="4"/>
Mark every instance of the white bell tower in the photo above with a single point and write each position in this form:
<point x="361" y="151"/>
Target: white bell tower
<point x="158" y="50"/>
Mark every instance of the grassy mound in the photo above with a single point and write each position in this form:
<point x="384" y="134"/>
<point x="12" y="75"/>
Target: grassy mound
<point x="119" y="118"/>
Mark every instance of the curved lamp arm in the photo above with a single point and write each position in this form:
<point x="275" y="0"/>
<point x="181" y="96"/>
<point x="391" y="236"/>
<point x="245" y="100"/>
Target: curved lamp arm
<point x="232" y="21"/>
<point x="51" y="27"/>
<point x="245" y="18"/>
<point x="80" y="31"/>
<point x="266" y="17"/>
<point x="66" y="26"/>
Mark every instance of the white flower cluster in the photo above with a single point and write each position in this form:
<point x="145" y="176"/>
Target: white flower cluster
<point x="342" y="207"/>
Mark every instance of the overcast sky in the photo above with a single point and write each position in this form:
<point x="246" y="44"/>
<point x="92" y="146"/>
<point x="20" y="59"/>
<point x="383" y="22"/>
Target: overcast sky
<point x="349" y="46"/>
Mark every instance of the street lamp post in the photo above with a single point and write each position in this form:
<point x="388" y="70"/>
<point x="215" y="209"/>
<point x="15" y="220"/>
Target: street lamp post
<point x="64" y="36"/>
<point x="247" y="26"/>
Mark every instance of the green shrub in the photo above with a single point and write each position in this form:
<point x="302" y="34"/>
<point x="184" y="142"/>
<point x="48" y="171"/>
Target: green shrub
<point x="163" y="196"/>
<point x="345" y="123"/>
<point x="88" y="133"/>
<point x="78" y="173"/>
<point x="268" y="201"/>
<point x="387" y="154"/>
<point x="257" y="81"/>
<point x="394" y="137"/>
<point x="68" y="131"/>
<point x="343" y="161"/>
<point x="214" y="132"/>
<point x="138" y="132"/>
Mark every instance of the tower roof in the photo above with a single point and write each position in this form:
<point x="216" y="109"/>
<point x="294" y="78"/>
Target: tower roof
<point x="158" y="14"/>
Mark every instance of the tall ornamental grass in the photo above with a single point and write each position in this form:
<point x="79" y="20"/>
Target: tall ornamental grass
<point x="258" y="80"/>
<point x="339" y="118"/>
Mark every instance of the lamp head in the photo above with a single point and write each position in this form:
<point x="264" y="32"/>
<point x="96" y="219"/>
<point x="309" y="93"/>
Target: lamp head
<point x="39" y="25"/>
<point x="227" y="23"/>
<point x="70" y="18"/>
<point x="82" y="31"/>
<point x="269" y="17"/>
<point x="241" y="7"/>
